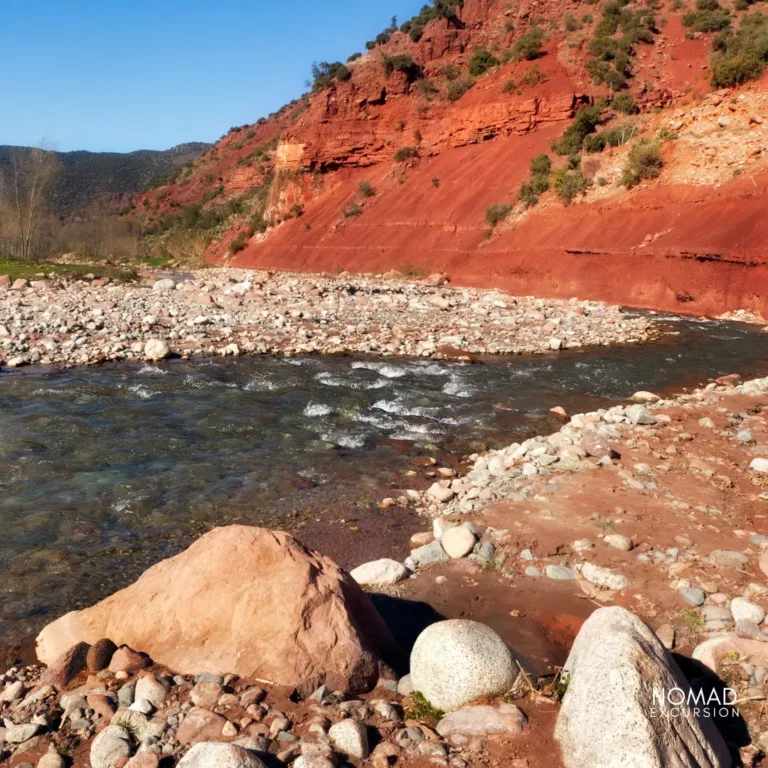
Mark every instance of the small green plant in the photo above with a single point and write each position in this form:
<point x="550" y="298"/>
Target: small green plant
<point x="496" y="213"/>
<point x="400" y="63"/>
<point x="451" y="72"/>
<point x="624" y="103"/>
<point x="353" y="210"/>
<point x="529" y="45"/>
<point x="585" y="122"/>
<point x="366" y="189"/>
<point x="569" y="183"/>
<point x="509" y="86"/>
<point x="691" y="618"/>
<point x="420" y="709"/>
<point x="481" y="62"/>
<point x="457" y="88"/>
<point x="644" y="161"/>
<point x="239" y="243"/>
<point x="405" y="153"/>
<point x="534" y="76"/>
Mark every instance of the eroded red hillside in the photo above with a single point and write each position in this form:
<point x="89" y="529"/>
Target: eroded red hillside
<point x="383" y="170"/>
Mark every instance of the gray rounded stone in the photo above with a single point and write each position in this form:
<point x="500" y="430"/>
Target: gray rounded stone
<point x="350" y="737"/>
<point x="383" y="571"/>
<point x="559" y="573"/>
<point x="111" y="746"/>
<point x="156" y="349"/>
<point x="209" y="755"/>
<point x="457" y="661"/>
<point x="693" y="596"/>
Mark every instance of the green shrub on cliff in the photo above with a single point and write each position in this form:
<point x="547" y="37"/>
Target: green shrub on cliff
<point x="496" y="213"/>
<point x="457" y="88"/>
<point x="643" y="162"/>
<point x="740" y="56"/>
<point x="529" y="45"/>
<point x="482" y="60"/>
<point x="585" y="122"/>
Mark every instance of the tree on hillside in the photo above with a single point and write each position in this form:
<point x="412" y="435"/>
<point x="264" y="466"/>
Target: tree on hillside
<point x="25" y="190"/>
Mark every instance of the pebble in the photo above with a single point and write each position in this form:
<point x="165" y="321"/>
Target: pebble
<point x="693" y="596"/>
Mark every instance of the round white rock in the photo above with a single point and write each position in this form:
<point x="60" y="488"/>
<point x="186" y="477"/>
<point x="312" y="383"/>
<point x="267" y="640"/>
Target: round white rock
<point x="457" y="661"/>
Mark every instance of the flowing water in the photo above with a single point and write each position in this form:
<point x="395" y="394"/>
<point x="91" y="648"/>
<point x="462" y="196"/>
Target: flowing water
<point x="104" y="471"/>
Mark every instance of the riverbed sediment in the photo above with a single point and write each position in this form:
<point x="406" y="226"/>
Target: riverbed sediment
<point x="231" y="312"/>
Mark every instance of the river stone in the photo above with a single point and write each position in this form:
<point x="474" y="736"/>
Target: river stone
<point x="12" y="691"/>
<point x="639" y="414"/>
<point x="559" y="573"/>
<point x="218" y="605"/>
<point x="18" y="734"/>
<point x="743" y="609"/>
<point x="350" y="737"/>
<point x="748" y="630"/>
<point x="607" y="714"/>
<point x="100" y="655"/>
<point x="383" y="571"/>
<point x="759" y="465"/>
<point x="138" y="724"/>
<point x="429" y="554"/>
<point x="220" y="756"/>
<point x="205" y="694"/>
<point x="693" y="596"/>
<point x="483" y="720"/>
<point x="617" y="541"/>
<point x="440" y="493"/>
<point x="156" y="349"/>
<point x="457" y="661"/>
<point x="51" y="759"/>
<point x="143" y="760"/>
<point x="201" y="725"/>
<point x="596" y="445"/>
<point x="645" y="397"/>
<point x="66" y="667"/>
<point x="150" y="689"/>
<point x="603" y="577"/>
<point x="110" y="747"/>
<point x="458" y="542"/>
<point x="728" y="558"/>
<point x="164" y="285"/>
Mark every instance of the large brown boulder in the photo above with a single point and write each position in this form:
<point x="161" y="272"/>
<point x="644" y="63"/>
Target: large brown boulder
<point x="246" y="601"/>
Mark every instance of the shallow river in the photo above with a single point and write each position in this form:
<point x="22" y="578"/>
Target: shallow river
<point x="104" y="471"/>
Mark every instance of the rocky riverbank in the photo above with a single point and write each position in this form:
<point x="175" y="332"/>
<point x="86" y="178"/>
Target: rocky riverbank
<point x="650" y="516"/>
<point x="657" y="506"/>
<point x="233" y="312"/>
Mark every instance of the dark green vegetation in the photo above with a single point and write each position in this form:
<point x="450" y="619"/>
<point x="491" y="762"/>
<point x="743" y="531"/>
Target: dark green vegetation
<point x="541" y="169"/>
<point x="323" y="74"/>
<point x="742" y="55"/>
<point x="569" y="182"/>
<point x="586" y="121"/>
<point x="496" y="213"/>
<point x="481" y="62"/>
<point x="16" y="268"/>
<point x="613" y="137"/>
<point x="644" y="162"/>
<point x="616" y="35"/>
<point x="529" y="45"/>
<point x="85" y="179"/>
<point x="440" y="9"/>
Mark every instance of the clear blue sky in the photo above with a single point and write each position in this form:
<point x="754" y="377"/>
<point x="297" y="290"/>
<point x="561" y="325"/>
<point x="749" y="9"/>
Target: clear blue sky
<point x="107" y="75"/>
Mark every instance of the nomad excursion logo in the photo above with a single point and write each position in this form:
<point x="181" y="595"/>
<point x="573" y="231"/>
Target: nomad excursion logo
<point x="671" y="703"/>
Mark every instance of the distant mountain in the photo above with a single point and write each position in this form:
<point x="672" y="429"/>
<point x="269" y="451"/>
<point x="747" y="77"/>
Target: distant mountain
<point x="91" y="181"/>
